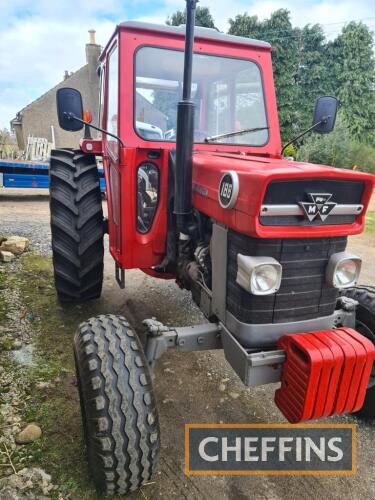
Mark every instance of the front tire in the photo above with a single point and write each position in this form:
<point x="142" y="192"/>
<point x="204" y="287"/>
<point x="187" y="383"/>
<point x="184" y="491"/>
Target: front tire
<point x="118" y="406"/>
<point x="76" y="225"/>
<point x="365" y="325"/>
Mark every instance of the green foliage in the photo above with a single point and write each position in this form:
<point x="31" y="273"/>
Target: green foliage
<point x="8" y="144"/>
<point x="203" y="18"/>
<point x="362" y="156"/>
<point x="370" y="222"/>
<point x="246" y="26"/>
<point x="276" y="30"/>
<point x="306" y="66"/>
<point x="290" y="151"/>
<point x="167" y="101"/>
<point x="284" y="59"/>
<point x="328" y="149"/>
<point x="352" y="63"/>
<point x="309" y="69"/>
<point x="338" y="149"/>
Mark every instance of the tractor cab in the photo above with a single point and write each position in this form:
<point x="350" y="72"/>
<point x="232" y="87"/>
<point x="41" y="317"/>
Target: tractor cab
<point x="142" y="69"/>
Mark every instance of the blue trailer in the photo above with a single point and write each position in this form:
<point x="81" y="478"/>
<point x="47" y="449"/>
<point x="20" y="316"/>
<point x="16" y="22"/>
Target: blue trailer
<point x="27" y="174"/>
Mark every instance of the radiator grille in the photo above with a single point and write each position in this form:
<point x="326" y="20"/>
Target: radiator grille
<point x="303" y="293"/>
<point x="293" y="192"/>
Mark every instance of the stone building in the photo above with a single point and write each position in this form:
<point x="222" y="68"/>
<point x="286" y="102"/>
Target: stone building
<point x="39" y="118"/>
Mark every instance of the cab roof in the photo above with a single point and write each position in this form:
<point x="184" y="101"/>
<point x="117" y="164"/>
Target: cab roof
<point x="200" y="32"/>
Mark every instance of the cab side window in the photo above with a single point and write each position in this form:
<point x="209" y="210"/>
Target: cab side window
<point x="112" y="99"/>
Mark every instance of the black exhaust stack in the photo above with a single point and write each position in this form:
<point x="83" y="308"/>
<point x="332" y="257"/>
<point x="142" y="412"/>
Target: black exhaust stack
<point x="185" y="132"/>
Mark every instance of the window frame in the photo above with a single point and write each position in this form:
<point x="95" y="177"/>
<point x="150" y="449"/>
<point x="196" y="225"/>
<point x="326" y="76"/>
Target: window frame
<point x="203" y="53"/>
<point x="112" y="144"/>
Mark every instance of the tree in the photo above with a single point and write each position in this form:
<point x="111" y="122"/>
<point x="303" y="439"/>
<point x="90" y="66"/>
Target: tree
<point x="166" y="101"/>
<point x="203" y="17"/>
<point x="4" y="137"/>
<point x="328" y="149"/>
<point x="278" y="31"/>
<point x="310" y="77"/>
<point x="351" y="61"/>
<point x="306" y="66"/>
<point x="8" y="144"/>
<point x="246" y="26"/>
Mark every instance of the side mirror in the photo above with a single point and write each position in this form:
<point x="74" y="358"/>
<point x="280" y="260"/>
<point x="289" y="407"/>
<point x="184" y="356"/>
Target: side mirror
<point x="325" y="114"/>
<point x="69" y="103"/>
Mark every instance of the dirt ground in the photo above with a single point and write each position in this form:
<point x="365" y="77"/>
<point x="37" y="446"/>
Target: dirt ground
<point x="188" y="386"/>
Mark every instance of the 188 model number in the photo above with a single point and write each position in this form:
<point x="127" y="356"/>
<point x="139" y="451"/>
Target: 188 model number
<point x="228" y="189"/>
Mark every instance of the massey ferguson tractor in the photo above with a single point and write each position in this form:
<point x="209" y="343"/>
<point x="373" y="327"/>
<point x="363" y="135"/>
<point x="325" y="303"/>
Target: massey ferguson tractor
<point x="198" y="191"/>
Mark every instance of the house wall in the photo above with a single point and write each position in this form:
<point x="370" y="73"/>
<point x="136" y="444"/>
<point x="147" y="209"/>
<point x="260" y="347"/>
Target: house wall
<point x="147" y="113"/>
<point x="36" y="119"/>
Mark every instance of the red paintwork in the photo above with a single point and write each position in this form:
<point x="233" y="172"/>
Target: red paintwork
<point x="325" y="373"/>
<point x="95" y="146"/>
<point x="130" y="248"/>
<point x="131" y="40"/>
<point x="254" y="175"/>
<point x="256" y="166"/>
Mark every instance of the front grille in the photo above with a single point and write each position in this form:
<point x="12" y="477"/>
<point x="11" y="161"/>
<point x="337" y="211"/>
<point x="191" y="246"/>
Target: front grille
<point x="289" y="192"/>
<point x="303" y="293"/>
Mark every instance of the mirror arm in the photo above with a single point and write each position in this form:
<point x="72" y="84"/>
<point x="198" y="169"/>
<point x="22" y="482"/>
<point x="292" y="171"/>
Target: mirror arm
<point x="320" y="122"/>
<point x="71" y="116"/>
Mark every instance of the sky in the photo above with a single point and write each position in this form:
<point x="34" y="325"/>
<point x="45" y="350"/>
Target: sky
<point x="40" y="39"/>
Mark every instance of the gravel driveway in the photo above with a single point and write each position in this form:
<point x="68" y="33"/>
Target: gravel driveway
<point x="26" y="213"/>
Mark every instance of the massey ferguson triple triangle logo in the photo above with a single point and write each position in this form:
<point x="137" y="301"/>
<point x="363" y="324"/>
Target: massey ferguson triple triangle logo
<point x="319" y="206"/>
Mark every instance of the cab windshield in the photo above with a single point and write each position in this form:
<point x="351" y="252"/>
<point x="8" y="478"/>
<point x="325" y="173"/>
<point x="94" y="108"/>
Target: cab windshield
<point x="227" y="92"/>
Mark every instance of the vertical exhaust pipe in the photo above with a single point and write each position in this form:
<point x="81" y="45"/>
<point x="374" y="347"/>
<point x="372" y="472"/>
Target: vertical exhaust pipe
<point x="185" y="132"/>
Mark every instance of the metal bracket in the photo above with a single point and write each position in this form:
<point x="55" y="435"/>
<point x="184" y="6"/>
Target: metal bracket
<point x="346" y="315"/>
<point x="120" y="276"/>
<point x="253" y="367"/>
<point x="191" y="338"/>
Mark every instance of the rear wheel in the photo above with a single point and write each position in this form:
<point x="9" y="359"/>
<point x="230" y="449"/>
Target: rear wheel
<point x="118" y="406"/>
<point x="76" y="225"/>
<point x="365" y="324"/>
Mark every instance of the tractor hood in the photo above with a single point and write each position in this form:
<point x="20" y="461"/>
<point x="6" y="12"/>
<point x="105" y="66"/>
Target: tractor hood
<point x="278" y="198"/>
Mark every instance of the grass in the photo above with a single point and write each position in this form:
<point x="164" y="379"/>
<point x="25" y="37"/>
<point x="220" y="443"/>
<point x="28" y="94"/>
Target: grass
<point x="61" y="450"/>
<point x="370" y="222"/>
<point x="3" y="306"/>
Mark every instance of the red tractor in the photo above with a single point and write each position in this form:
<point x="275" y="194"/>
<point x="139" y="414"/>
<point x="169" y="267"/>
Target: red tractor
<point x="198" y="191"/>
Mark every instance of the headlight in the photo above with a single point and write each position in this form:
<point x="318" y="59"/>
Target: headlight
<point x="343" y="270"/>
<point x="258" y="275"/>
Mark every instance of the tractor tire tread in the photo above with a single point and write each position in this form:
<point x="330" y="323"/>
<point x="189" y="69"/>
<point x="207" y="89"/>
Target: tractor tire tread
<point x="76" y="225"/>
<point x="365" y="314"/>
<point x="122" y="429"/>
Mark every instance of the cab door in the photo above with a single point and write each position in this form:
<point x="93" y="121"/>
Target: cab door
<point x="111" y="157"/>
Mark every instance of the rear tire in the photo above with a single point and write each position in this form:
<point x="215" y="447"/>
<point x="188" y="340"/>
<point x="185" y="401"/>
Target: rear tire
<point x="76" y="225"/>
<point x="118" y="406"/>
<point x="365" y="324"/>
